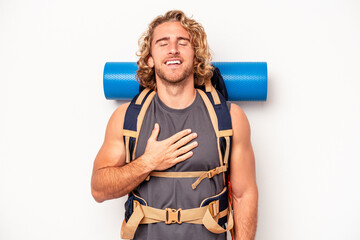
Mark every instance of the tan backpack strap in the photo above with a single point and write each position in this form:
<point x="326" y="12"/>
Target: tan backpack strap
<point x="212" y="225"/>
<point x="214" y="121"/>
<point x="177" y="174"/>
<point x="211" y="111"/>
<point x="141" y="116"/>
<point x="210" y="88"/>
<point x="209" y="174"/>
<point x="207" y="215"/>
<point x="227" y="151"/>
<point x="128" y="228"/>
<point x="127" y="149"/>
<point x="215" y="96"/>
<point x="226" y="133"/>
<point x="193" y="215"/>
<point x="169" y="216"/>
<point x="142" y="96"/>
<point x="127" y="134"/>
<point x="200" y="174"/>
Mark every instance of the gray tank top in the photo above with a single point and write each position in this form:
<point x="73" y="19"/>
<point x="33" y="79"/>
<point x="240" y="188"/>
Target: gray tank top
<point x="177" y="193"/>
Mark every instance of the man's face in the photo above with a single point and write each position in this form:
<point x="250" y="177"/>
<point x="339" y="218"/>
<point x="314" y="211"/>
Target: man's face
<point x="172" y="54"/>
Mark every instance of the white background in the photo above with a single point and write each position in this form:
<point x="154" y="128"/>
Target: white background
<point x="53" y="112"/>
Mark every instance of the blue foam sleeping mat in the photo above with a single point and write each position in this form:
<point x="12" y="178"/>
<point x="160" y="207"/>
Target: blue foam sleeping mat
<point x="245" y="81"/>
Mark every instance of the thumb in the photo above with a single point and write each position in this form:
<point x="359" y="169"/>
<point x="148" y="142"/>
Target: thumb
<point x="155" y="133"/>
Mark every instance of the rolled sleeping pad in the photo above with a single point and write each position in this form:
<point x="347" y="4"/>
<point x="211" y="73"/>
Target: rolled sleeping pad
<point x="245" y="81"/>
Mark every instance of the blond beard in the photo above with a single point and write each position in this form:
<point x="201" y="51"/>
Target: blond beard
<point x="174" y="81"/>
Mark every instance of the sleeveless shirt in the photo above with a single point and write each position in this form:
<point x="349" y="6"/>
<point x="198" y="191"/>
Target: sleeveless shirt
<point x="160" y="192"/>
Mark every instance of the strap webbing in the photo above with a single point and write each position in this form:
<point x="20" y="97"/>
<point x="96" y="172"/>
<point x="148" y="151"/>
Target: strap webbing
<point x="127" y="149"/>
<point x="142" y="96"/>
<point x="209" y="174"/>
<point x="214" y="121"/>
<point x="177" y="174"/>
<point x="211" y="111"/>
<point x="227" y="151"/>
<point x="215" y="96"/>
<point x="210" y="223"/>
<point x="200" y="174"/>
<point x="193" y="215"/>
<point x="141" y="116"/>
<point x="207" y="215"/>
<point x="210" y="88"/>
<point x="129" y="133"/>
<point x="226" y="133"/>
<point x="128" y="228"/>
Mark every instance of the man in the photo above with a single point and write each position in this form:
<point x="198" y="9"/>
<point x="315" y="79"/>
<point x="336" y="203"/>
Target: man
<point x="176" y="136"/>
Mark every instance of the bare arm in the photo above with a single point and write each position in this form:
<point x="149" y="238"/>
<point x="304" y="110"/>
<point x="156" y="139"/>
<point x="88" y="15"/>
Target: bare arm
<point x="242" y="177"/>
<point x="112" y="178"/>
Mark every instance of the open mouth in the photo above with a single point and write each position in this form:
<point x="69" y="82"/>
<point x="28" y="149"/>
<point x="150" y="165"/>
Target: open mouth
<point x="173" y="62"/>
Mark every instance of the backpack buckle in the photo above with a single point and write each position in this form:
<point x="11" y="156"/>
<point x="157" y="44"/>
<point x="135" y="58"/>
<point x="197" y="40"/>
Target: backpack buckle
<point x="213" y="208"/>
<point x="172" y="216"/>
<point x="211" y="173"/>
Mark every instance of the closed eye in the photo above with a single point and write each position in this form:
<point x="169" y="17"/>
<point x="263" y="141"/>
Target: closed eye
<point x="162" y="41"/>
<point x="183" y="42"/>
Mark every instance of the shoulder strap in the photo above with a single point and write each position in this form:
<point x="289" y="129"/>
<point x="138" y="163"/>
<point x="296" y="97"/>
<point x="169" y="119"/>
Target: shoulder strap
<point x="221" y="121"/>
<point x="222" y="112"/>
<point x="134" y="117"/>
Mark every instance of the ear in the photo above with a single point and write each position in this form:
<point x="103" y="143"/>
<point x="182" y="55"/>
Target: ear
<point x="150" y="62"/>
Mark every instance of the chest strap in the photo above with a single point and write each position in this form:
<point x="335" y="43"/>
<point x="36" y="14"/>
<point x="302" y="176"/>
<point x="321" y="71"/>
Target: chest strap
<point x="201" y="175"/>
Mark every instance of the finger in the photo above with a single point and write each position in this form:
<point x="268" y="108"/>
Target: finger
<point x="183" y="157"/>
<point x="185" y="140"/>
<point x="177" y="136"/>
<point x="185" y="149"/>
<point x="155" y="133"/>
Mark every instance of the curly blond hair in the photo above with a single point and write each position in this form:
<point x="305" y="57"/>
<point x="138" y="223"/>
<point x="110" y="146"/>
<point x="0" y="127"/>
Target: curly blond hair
<point x="202" y="64"/>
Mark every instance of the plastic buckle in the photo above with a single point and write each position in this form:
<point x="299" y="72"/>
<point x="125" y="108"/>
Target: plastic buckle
<point x="135" y="204"/>
<point x="173" y="216"/>
<point x="211" y="208"/>
<point x="211" y="173"/>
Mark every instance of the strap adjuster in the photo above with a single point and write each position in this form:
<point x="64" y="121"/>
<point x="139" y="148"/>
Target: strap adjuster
<point x="211" y="208"/>
<point x="214" y="208"/>
<point x="135" y="203"/>
<point x="211" y="173"/>
<point x="172" y="216"/>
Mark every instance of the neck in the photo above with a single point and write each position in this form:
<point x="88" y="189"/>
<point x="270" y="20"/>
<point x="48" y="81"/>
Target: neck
<point x="177" y="96"/>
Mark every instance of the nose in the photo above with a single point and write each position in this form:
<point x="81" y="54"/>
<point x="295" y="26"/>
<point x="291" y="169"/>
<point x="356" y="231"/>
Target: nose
<point x="174" y="48"/>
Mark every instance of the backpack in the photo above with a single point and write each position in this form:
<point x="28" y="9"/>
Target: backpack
<point x="212" y="208"/>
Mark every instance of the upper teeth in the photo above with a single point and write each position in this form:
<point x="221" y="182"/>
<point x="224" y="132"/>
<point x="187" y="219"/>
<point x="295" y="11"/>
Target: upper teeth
<point x="173" y="62"/>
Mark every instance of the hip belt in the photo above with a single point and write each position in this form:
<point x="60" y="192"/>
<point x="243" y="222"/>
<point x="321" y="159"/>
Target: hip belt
<point x="213" y="213"/>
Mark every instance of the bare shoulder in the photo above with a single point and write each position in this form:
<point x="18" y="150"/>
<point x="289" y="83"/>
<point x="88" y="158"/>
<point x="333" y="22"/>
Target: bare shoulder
<point x="240" y="122"/>
<point x="112" y="152"/>
<point x="115" y="125"/>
